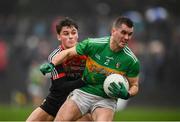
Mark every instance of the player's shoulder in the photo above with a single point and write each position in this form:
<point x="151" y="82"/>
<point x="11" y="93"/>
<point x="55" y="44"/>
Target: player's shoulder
<point x="54" y="52"/>
<point x="127" y="51"/>
<point x="97" y="42"/>
<point x="101" y="40"/>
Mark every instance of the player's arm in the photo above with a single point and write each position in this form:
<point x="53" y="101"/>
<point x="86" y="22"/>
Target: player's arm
<point x="133" y="85"/>
<point x="64" y="55"/>
<point x="58" y="59"/>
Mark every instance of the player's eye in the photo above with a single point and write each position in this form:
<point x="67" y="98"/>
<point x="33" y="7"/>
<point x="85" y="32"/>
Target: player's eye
<point x="65" y="33"/>
<point x="123" y="32"/>
<point x="130" y="34"/>
<point x="73" y="33"/>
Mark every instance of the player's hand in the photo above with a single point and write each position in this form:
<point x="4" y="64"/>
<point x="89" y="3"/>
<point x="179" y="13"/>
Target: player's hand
<point x="46" y="68"/>
<point x="118" y="91"/>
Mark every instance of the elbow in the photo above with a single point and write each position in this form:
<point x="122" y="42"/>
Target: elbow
<point x="137" y="91"/>
<point x="134" y="90"/>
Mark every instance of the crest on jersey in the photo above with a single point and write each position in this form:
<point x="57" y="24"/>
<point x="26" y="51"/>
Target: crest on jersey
<point x="118" y="65"/>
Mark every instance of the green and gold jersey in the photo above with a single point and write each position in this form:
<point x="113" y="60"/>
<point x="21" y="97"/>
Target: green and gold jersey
<point x="102" y="61"/>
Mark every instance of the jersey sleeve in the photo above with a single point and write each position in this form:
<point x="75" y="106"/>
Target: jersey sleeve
<point x="83" y="47"/>
<point x="134" y="70"/>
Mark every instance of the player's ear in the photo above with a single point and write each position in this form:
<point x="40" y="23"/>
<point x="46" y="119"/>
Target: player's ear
<point x="113" y="30"/>
<point x="58" y="37"/>
<point x="77" y="35"/>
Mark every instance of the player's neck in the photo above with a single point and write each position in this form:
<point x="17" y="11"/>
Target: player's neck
<point x="114" y="46"/>
<point x="62" y="47"/>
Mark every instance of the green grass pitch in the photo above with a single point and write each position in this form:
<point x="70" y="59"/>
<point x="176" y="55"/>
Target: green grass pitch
<point x="10" y="113"/>
<point x="148" y="114"/>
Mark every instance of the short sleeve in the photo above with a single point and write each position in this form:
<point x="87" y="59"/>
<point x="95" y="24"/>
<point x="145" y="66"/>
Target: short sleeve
<point x="83" y="47"/>
<point x="134" y="70"/>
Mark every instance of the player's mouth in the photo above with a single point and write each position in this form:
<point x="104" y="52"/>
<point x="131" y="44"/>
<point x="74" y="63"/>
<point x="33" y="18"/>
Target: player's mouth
<point x="71" y="41"/>
<point x="123" y="43"/>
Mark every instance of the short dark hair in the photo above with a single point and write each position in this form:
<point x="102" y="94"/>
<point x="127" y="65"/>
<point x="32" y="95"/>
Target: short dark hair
<point x="123" y="20"/>
<point x="65" y="22"/>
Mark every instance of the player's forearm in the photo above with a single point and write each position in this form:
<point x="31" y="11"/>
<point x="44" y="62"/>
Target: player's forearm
<point x="64" y="55"/>
<point x="133" y="86"/>
<point x="60" y="57"/>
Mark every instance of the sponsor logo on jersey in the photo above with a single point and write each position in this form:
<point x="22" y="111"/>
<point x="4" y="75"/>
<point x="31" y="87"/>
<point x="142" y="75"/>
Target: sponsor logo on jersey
<point x="93" y="66"/>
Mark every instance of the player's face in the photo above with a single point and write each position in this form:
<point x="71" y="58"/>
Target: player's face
<point x="122" y="35"/>
<point x="68" y="36"/>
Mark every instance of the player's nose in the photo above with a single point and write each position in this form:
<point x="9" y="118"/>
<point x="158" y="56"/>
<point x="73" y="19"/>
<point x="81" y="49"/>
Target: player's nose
<point x="70" y="36"/>
<point x="126" y="36"/>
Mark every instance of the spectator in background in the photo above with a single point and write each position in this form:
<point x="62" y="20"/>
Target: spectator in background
<point x="35" y="84"/>
<point x="3" y="68"/>
<point x="3" y="56"/>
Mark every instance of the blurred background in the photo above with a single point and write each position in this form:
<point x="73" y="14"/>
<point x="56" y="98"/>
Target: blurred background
<point x="27" y="36"/>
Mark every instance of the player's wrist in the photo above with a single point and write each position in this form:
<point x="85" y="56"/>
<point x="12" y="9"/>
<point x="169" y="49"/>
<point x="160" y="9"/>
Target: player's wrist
<point x="52" y="64"/>
<point x="128" y="95"/>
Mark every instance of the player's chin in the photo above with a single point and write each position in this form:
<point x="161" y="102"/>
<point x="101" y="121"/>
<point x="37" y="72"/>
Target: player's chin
<point x="71" y="45"/>
<point x="122" y="45"/>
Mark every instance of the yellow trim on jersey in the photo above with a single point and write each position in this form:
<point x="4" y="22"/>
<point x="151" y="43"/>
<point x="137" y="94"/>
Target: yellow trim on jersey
<point x="92" y="66"/>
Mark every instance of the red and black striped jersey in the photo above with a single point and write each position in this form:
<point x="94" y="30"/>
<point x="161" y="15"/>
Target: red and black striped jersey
<point x="72" y="69"/>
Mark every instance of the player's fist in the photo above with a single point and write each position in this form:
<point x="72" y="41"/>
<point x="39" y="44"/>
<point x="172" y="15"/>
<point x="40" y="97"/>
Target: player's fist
<point x="118" y="90"/>
<point x="46" y="68"/>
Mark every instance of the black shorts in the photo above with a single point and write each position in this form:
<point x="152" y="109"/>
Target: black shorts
<point x="56" y="97"/>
